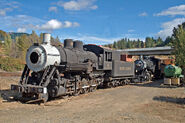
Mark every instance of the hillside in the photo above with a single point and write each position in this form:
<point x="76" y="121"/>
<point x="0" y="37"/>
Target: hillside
<point x="15" y="34"/>
<point x="126" y="43"/>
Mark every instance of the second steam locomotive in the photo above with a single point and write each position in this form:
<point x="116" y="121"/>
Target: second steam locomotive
<point x="53" y="71"/>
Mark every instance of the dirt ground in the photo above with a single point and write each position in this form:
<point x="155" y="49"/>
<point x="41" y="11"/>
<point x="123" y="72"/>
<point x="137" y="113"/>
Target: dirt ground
<point x="148" y="102"/>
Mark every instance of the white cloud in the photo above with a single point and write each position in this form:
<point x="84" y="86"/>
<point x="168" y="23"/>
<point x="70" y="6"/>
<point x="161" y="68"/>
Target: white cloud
<point x="50" y="25"/>
<point x="131" y="30"/>
<point x="75" y="24"/>
<point x="143" y="14"/>
<point x="167" y="27"/>
<point x="7" y="6"/>
<point x="89" y="39"/>
<point x="11" y="4"/>
<point x="173" y="11"/>
<point x="2" y="12"/>
<point x="68" y="24"/>
<point x="21" y="30"/>
<point x="94" y="7"/>
<point x="53" y="9"/>
<point x="19" y="21"/>
<point x="96" y="40"/>
<point x="55" y="24"/>
<point x="76" y="5"/>
<point x="24" y="22"/>
<point x="93" y="38"/>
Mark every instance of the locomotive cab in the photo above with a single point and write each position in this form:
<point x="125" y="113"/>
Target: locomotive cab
<point x="111" y="63"/>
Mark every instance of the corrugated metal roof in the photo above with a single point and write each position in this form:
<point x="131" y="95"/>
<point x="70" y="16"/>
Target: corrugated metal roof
<point x="148" y="49"/>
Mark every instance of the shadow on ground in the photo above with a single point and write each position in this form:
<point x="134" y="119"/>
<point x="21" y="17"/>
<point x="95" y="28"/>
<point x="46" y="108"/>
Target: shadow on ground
<point x="155" y="83"/>
<point x="180" y="101"/>
<point x="8" y="95"/>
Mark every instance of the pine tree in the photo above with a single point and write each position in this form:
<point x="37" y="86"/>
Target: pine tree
<point x="8" y="45"/>
<point x="56" y="41"/>
<point x="115" y="45"/>
<point x="34" y="38"/>
<point x="22" y="44"/>
<point x="41" y="37"/>
<point x="179" y="45"/>
<point x="149" y="42"/>
<point x="168" y="41"/>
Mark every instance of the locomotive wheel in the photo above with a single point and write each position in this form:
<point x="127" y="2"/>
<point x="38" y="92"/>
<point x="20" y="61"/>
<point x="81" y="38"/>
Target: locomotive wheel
<point x="45" y="98"/>
<point x="122" y="83"/>
<point x="109" y="85"/>
<point x="94" y="88"/>
<point x="90" y="89"/>
<point x="116" y="84"/>
<point x="113" y="84"/>
<point x="148" y="76"/>
<point x="84" y="91"/>
<point x="78" y="92"/>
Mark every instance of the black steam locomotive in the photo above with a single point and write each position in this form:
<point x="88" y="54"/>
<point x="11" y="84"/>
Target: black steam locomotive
<point x="147" y="68"/>
<point x="52" y="71"/>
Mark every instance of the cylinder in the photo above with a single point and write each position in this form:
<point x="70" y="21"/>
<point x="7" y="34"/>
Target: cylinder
<point x="78" y="45"/>
<point x="46" y="38"/>
<point x="68" y="43"/>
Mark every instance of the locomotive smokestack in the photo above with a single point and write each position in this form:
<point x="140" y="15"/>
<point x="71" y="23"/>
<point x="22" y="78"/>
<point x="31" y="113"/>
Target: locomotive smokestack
<point x="46" y="38"/>
<point x="68" y="43"/>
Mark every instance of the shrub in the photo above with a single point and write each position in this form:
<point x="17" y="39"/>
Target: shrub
<point x="11" y="64"/>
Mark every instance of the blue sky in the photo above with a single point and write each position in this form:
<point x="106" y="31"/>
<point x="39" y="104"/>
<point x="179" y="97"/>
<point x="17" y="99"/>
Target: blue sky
<point x="93" y="21"/>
